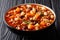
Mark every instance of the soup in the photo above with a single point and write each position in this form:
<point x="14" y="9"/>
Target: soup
<point x="29" y="17"/>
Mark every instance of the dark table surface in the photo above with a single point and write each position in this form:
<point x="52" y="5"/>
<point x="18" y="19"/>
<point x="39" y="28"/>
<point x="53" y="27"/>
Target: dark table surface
<point x="51" y="34"/>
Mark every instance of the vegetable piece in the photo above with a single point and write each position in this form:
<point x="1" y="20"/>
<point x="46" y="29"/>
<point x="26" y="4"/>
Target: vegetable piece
<point x="22" y="13"/>
<point x="28" y="8"/>
<point x="36" y="24"/>
<point x="48" y="11"/>
<point x="43" y="8"/>
<point x="33" y="11"/>
<point x="23" y="23"/>
<point x="42" y="14"/>
<point x="52" y="16"/>
<point x="36" y="16"/>
<point x="46" y="20"/>
<point x="31" y="18"/>
<point x="42" y="23"/>
<point x="17" y="9"/>
<point x="17" y="15"/>
<point x="27" y="22"/>
<point x="30" y="26"/>
<point x="51" y="21"/>
<point x="23" y="6"/>
<point x="45" y="13"/>
<point x="16" y="19"/>
<point x="12" y="16"/>
<point x="11" y="20"/>
<point x="27" y="15"/>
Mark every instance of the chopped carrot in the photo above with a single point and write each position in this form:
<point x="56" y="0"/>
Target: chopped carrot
<point x="42" y="23"/>
<point x="36" y="16"/>
<point x="30" y="26"/>
<point x="18" y="9"/>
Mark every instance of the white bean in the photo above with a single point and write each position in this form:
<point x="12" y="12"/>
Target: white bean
<point x="43" y="8"/>
<point x="45" y="13"/>
<point x="16" y="19"/>
<point x="22" y="13"/>
<point x="52" y="16"/>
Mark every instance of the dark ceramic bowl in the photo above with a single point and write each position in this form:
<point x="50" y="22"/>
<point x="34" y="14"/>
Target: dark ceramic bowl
<point x="23" y="32"/>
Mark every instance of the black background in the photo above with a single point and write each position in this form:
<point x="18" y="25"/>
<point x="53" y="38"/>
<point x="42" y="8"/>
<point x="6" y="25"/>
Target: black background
<point x="50" y="34"/>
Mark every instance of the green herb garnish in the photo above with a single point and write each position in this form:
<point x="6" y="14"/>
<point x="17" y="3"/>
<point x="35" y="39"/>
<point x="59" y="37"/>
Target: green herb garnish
<point x="27" y="22"/>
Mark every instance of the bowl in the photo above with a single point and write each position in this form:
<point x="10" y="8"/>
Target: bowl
<point x="21" y="31"/>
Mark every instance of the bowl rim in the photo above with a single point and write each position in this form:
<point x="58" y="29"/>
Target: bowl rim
<point x="30" y="4"/>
